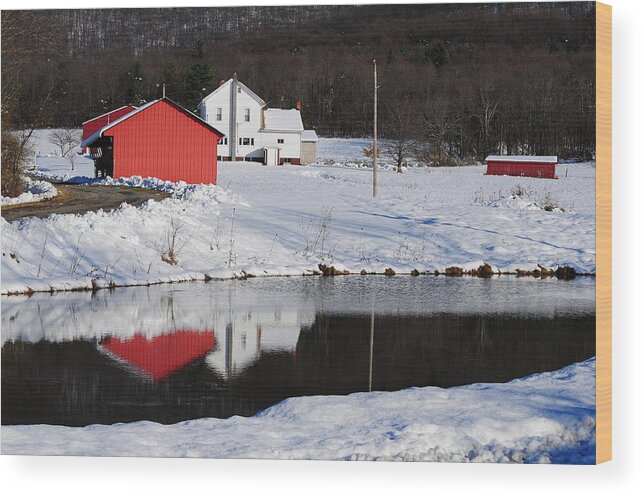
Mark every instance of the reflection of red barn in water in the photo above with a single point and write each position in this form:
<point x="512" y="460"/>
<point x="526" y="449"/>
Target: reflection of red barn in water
<point x="160" y="356"/>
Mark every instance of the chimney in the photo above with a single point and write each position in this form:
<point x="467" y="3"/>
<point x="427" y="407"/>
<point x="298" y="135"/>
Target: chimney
<point x="298" y="105"/>
<point x="221" y="83"/>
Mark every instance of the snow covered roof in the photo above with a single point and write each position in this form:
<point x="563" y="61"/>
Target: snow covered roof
<point x="282" y="120"/>
<point x="227" y="85"/>
<point x="309" y="135"/>
<point x="86" y="143"/>
<point x="522" y="158"/>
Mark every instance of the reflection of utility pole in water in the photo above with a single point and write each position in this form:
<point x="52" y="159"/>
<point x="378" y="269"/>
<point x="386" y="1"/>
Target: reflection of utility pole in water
<point x="481" y="335"/>
<point x="229" y="331"/>
<point x="228" y="349"/>
<point x="370" y="359"/>
<point x="170" y="313"/>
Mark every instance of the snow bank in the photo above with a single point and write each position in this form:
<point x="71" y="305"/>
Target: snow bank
<point x="36" y="191"/>
<point x="544" y="418"/>
<point x="269" y="221"/>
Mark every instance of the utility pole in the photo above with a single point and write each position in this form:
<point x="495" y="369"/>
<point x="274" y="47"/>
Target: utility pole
<point x="374" y="128"/>
<point x="370" y="356"/>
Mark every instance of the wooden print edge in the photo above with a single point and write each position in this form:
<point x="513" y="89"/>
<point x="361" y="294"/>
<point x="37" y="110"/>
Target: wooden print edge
<point x="603" y="232"/>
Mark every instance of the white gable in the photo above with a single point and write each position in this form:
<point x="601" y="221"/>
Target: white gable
<point x="282" y="120"/>
<point x="226" y="86"/>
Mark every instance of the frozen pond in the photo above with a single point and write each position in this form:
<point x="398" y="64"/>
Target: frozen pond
<point x="174" y="352"/>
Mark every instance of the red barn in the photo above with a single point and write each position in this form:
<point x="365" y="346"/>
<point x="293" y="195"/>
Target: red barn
<point x="160" y="139"/>
<point x="92" y="125"/>
<point x="522" y="165"/>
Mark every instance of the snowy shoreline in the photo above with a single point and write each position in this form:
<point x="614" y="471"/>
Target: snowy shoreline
<point x="544" y="418"/>
<point x="289" y="220"/>
<point x="93" y="287"/>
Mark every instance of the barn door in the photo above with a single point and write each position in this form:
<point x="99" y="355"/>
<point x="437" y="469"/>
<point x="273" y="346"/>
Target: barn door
<point x="104" y="162"/>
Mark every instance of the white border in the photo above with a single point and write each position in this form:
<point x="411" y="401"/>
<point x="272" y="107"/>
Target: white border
<point x="123" y="476"/>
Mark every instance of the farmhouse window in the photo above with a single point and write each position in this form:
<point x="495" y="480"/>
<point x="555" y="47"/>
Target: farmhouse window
<point x="246" y="141"/>
<point x="247" y="115"/>
<point x="280" y="141"/>
<point x="219" y="113"/>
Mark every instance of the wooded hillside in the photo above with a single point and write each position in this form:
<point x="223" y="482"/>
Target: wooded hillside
<point x="470" y="79"/>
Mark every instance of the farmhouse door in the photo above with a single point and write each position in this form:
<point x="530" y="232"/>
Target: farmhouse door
<point x="271" y="156"/>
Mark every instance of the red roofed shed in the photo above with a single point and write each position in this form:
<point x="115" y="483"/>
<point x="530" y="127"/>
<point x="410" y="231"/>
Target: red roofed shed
<point x="160" y="139"/>
<point x="522" y="165"/>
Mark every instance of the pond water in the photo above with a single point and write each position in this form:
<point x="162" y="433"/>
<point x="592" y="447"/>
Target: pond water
<point x="174" y="352"/>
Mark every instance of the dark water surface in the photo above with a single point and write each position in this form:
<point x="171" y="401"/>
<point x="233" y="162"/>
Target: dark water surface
<point x="171" y="353"/>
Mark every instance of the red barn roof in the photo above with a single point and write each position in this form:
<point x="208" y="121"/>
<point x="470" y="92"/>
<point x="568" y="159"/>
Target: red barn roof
<point x="92" y="125"/>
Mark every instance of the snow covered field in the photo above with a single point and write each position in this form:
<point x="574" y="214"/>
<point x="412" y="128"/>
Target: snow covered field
<point x="544" y="418"/>
<point x="287" y="220"/>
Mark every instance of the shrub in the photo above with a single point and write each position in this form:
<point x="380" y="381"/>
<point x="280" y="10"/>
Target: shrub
<point x="14" y="158"/>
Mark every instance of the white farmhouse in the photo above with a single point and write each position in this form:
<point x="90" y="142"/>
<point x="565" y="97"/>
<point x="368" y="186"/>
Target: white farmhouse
<point x="252" y="131"/>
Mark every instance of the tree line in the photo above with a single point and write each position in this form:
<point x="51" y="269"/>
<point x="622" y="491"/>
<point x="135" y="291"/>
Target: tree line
<point x="464" y="80"/>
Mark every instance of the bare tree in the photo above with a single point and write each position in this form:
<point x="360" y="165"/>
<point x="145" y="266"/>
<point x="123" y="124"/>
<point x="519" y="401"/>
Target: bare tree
<point x="440" y="121"/>
<point x="399" y="127"/>
<point x="18" y="26"/>
<point x="484" y="110"/>
<point x="66" y="140"/>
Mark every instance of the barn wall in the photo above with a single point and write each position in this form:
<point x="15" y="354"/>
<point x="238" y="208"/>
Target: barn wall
<point x="164" y="142"/>
<point x="530" y="169"/>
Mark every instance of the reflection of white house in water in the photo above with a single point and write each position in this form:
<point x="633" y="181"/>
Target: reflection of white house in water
<point x="245" y="337"/>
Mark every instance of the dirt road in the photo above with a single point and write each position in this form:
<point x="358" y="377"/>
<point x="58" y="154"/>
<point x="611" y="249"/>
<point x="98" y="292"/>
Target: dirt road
<point x="79" y="198"/>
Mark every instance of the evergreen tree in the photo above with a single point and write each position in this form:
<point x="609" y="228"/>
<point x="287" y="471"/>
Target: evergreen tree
<point x="437" y="53"/>
<point x="172" y="81"/>
<point x="198" y="83"/>
<point x="132" y="81"/>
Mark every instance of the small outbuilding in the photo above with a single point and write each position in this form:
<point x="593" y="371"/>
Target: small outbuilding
<point x="160" y="139"/>
<point x="308" y="147"/>
<point x="92" y="125"/>
<point x="522" y="165"/>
